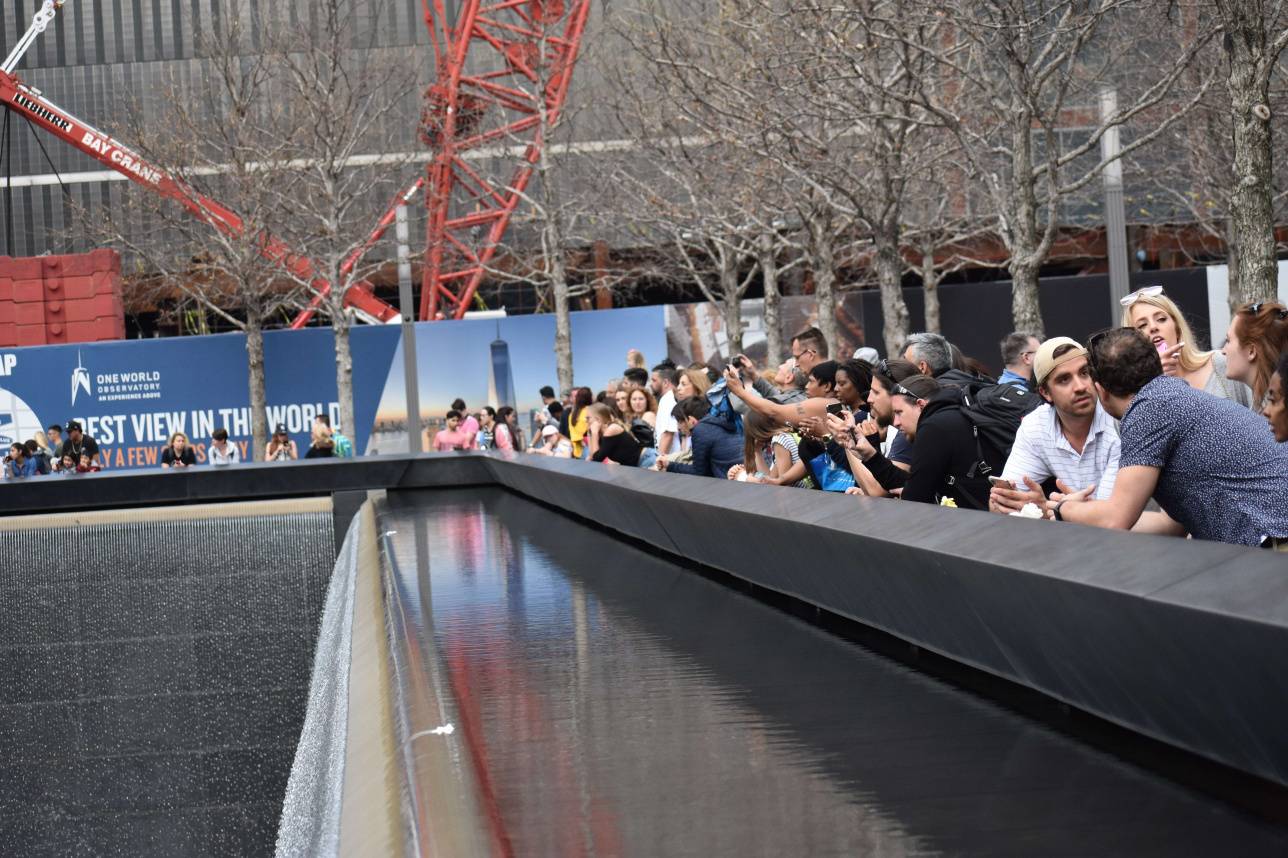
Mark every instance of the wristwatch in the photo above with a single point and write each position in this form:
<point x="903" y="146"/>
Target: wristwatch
<point x="1056" y="512"/>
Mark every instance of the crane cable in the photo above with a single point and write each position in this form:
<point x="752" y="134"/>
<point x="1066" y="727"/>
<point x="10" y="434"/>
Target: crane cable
<point x="48" y="160"/>
<point x="5" y="154"/>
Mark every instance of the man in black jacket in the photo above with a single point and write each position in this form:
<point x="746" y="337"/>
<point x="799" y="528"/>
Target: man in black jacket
<point x="945" y="452"/>
<point x="716" y="443"/>
<point x="933" y="355"/>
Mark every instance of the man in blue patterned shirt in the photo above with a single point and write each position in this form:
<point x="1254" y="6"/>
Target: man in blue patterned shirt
<point x="1212" y="465"/>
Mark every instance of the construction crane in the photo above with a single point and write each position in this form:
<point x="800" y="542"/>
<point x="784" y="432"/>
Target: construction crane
<point x="520" y="56"/>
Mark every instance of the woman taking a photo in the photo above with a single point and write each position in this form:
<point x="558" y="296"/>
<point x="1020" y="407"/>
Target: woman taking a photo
<point x="280" y="447"/>
<point x="1156" y="316"/>
<point x="177" y="454"/>
<point x="609" y="438"/>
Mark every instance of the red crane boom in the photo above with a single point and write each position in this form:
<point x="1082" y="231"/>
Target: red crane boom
<point x="103" y="148"/>
<point x="519" y="55"/>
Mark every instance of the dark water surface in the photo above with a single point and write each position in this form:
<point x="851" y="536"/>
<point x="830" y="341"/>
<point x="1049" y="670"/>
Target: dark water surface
<point x="618" y="704"/>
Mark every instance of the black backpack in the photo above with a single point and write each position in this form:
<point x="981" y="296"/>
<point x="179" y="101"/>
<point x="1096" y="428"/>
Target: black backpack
<point x="643" y="433"/>
<point x="995" y="412"/>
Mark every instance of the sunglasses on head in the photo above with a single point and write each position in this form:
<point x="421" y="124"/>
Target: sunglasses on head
<point x="1255" y="309"/>
<point x="1146" y="292"/>
<point x="900" y="390"/>
<point x="1094" y="340"/>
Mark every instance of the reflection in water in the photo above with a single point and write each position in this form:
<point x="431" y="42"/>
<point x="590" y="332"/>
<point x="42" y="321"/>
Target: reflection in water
<point x="616" y="704"/>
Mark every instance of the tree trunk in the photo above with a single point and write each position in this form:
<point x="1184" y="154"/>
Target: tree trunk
<point x="731" y="302"/>
<point x="258" y="397"/>
<point x="823" y="267"/>
<point x="1025" y="243"/>
<point x="768" y="259"/>
<point x="930" y="286"/>
<point x="1251" y="206"/>
<point x="1231" y="264"/>
<point x="563" y="320"/>
<point x="889" y="269"/>
<point x="343" y="367"/>
<point x="1025" y="313"/>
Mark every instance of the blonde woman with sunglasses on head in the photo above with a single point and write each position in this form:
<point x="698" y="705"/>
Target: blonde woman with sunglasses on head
<point x="1156" y="316"/>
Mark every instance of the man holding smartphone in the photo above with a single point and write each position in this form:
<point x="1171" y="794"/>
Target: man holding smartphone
<point x="1071" y="438"/>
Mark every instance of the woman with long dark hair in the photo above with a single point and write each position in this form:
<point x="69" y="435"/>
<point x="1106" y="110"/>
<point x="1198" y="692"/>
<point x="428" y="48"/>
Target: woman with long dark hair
<point x="506" y="430"/>
<point x="583" y="398"/>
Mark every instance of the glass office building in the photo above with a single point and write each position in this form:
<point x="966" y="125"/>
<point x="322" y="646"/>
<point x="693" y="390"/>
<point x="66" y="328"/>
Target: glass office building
<point x="102" y="60"/>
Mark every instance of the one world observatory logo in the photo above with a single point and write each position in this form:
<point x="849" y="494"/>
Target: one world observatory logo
<point x="80" y="379"/>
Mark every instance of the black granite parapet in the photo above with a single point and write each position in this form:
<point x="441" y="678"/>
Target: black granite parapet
<point x="1182" y="641"/>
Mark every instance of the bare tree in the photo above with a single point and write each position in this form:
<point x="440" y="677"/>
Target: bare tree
<point x="698" y="208"/>
<point x="351" y="102"/>
<point x="562" y="210"/>
<point x="808" y="89"/>
<point x="688" y="184"/>
<point x="1012" y="76"/>
<point x="226" y="142"/>
<point x="941" y="226"/>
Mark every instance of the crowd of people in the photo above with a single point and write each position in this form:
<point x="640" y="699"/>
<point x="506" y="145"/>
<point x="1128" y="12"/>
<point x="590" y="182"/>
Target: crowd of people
<point x="48" y="452"/>
<point x="1137" y="428"/>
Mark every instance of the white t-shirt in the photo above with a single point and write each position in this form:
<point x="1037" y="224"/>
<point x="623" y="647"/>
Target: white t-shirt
<point x="666" y="423"/>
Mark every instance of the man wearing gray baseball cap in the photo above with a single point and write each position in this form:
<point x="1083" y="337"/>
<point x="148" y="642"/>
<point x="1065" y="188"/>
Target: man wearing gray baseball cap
<point x="1071" y="438"/>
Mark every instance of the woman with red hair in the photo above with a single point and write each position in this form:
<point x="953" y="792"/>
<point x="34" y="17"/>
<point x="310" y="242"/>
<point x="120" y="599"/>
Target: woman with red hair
<point x="1258" y="334"/>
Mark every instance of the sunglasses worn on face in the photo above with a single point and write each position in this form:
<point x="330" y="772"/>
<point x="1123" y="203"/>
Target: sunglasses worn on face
<point x="1146" y="292"/>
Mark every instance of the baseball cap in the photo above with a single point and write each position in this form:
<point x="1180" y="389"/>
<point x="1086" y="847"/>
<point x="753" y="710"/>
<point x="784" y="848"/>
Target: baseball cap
<point x="1045" y="360"/>
<point x="280" y="430"/>
<point x="867" y="353"/>
<point x="548" y="430"/>
<point x="74" y="426"/>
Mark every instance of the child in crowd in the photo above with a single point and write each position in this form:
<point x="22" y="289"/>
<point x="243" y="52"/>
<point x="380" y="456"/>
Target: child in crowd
<point x="87" y="464"/>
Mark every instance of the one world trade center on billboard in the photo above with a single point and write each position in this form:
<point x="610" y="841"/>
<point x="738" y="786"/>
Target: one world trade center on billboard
<point x="500" y="387"/>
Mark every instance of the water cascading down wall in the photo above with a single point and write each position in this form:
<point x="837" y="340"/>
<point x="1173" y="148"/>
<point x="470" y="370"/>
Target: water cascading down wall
<point x="154" y="668"/>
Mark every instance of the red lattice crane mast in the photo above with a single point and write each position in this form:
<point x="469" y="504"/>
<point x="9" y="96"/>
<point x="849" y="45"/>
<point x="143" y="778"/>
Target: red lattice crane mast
<point x="503" y="72"/>
<point x="504" y="68"/>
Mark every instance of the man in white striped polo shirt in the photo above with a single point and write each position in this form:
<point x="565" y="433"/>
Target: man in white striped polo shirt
<point x="1071" y="438"/>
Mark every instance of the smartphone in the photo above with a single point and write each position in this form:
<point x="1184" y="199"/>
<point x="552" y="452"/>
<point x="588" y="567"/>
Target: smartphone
<point x="837" y="408"/>
<point x="1000" y="483"/>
